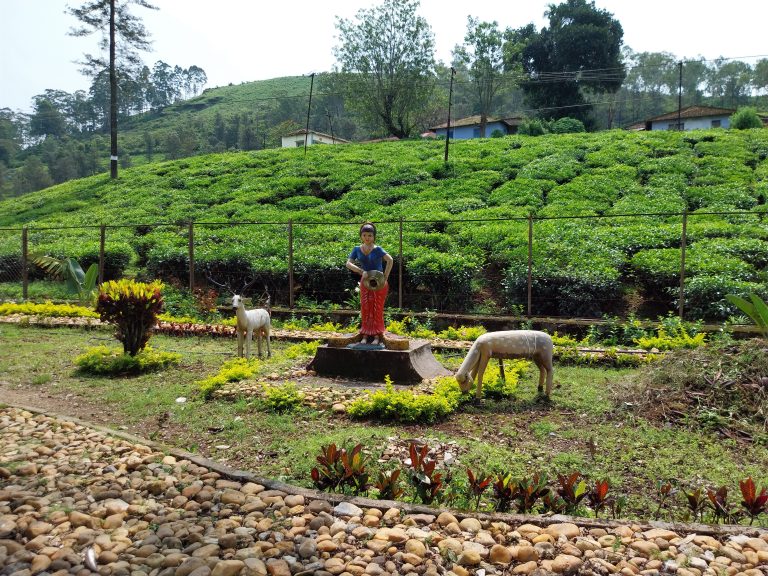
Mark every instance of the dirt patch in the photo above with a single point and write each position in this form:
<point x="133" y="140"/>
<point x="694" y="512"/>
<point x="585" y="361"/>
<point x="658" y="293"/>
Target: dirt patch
<point x="47" y="399"/>
<point x="721" y="387"/>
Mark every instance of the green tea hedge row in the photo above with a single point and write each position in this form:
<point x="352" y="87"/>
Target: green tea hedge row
<point x="581" y="266"/>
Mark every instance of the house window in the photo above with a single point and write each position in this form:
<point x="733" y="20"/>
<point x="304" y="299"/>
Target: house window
<point x="476" y="132"/>
<point x="299" y="143"/>
<point x="715" y="123"/>
<point x="450" y="133"/>
<point x="676" y="126"/>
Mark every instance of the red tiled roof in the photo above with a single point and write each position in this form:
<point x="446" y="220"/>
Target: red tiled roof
<point x="475" y="121"/>
<point x="374" y="140"/>
<point x="693" y="112"/>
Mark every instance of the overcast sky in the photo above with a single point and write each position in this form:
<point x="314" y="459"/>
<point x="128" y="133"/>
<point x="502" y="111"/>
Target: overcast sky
<point x="243" y="40"/>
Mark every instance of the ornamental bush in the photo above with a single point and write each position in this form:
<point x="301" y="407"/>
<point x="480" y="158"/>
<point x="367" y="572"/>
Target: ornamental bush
<point x="745" y="118"/>
<point x="102" y="360"/>
<point x="133" y="307"/>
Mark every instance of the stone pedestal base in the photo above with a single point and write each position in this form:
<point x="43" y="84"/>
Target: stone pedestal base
<point x="405" y="366"/>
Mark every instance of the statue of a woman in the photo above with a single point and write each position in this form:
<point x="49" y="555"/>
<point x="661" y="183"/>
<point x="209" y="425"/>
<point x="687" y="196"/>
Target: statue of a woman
<point x="365" y="260"/>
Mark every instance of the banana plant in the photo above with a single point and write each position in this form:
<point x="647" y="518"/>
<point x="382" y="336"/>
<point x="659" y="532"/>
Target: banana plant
<point x="757" y="310"/>
<point x="69" y="270"/>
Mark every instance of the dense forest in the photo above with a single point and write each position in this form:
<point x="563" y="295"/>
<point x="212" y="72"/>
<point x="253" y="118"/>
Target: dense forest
<point x="164" y="113"/>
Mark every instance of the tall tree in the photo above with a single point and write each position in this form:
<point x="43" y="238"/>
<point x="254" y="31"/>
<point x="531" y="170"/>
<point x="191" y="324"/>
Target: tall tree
<point x="112" y="18"/>
<point x="482" y="54"/>
<point x="730" y="82"/>
<point x="578" y="54"/>
<point x="760" y="79"/>
<point x="47" y="119"/>
<point x="386" y="57"/>
<point x="9" y="137"/>
<point x="33" y="175"/>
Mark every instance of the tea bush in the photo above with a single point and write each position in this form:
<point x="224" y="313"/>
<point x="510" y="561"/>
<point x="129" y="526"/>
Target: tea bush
<point x="448" y="254"/>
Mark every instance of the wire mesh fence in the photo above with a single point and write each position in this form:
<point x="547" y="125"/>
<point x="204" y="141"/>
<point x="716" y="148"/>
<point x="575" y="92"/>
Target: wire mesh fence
<point x="589" y="266"/>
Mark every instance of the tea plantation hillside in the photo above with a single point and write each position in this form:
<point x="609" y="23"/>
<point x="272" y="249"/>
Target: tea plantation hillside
<point x="465" y="229"/>
<point x="227" y="100"/>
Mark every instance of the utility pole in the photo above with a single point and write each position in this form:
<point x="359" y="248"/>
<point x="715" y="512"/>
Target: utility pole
<point x="679" y="94"/>
<point x="330" y="125"/>
<point x="112" y="94"/>
<point x="309" y="107"/>
<point x="448" y="124"/>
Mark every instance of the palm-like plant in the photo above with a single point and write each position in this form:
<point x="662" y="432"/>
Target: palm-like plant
<point x="757" y="310"/>
<point x="68" y="269"/>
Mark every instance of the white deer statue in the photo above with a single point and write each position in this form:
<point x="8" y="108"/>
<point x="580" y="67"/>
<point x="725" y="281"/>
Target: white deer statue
<point x="506" y="344"/>
<point x="249" y="321"/>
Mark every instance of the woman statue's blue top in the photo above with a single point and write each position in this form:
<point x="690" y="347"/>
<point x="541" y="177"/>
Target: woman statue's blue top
<point x="373" y="261"/>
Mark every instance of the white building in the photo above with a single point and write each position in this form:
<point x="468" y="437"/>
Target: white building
<point x="692" y="118"/>
<point x="296" y="139"/>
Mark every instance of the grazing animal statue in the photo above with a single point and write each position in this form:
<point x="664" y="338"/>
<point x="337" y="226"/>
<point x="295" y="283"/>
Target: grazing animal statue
<point x="506" y="344"/>
<point x="249" y="321"/>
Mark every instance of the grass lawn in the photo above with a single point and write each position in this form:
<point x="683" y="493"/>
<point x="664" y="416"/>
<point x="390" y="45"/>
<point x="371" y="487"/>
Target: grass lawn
<point x="588" y="427"/>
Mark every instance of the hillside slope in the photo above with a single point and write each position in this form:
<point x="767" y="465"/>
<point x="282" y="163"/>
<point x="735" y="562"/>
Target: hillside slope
<point x="465" y="235"/>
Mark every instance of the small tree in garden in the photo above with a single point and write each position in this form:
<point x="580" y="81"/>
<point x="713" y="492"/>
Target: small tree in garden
<point x="133" y="307"/>
<point x="745" y="118"/>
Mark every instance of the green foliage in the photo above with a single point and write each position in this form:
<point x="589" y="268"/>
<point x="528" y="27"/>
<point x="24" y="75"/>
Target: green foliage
<point x="47" y="309"/>
<point x="68" y="269"/>
<point x="199" y="305"/>
<point x="341" y="469"/>
<point x="231" y="371"/>
<point x="301" y="350"/>
<point x="422" y="475"/>
<point x="755" y="308"/>
<point x="567" y="125"/>
<point x="598" y="496"/>
<point x="745" y="118"/>
<point x="448" y="256"/>
<point x="576" y="24"/>
<point x="754" y="503"/>
<point x="466" y="333"/>
<point x="282" y="398"/>
<point x="503" y="492"/>
<point x="476" y="486"/>
<point x="102" y="360"/>
<point x="532" y="127"/>
<point x="672" y="334"/>
<point x="572" y="489"/>
<point x="718" y="501"/>
<point x="527" y="491"/>
<point x="696" y="501"/>
<point x="133" y="307"/>
<point x="401" y="406"/>
<point x="388" y="485"/>
<point x="386" y="58"/>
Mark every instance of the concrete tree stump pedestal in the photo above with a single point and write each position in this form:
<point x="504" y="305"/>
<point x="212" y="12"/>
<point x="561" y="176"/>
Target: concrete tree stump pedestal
<point x="405" y="361"/>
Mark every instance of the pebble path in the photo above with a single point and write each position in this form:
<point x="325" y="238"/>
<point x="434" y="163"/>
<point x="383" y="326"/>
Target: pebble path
<point x="76" y="500"/>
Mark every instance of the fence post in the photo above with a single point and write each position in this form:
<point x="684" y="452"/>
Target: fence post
<point x="191" y="236"/>
<point x="24" y="271"/>
<point x="102" y="241"/>
<point x="290" y="263"/>
<point x="530" y="264"/>
<point x="683" y="241"/>
<point x="400" y="268"/>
